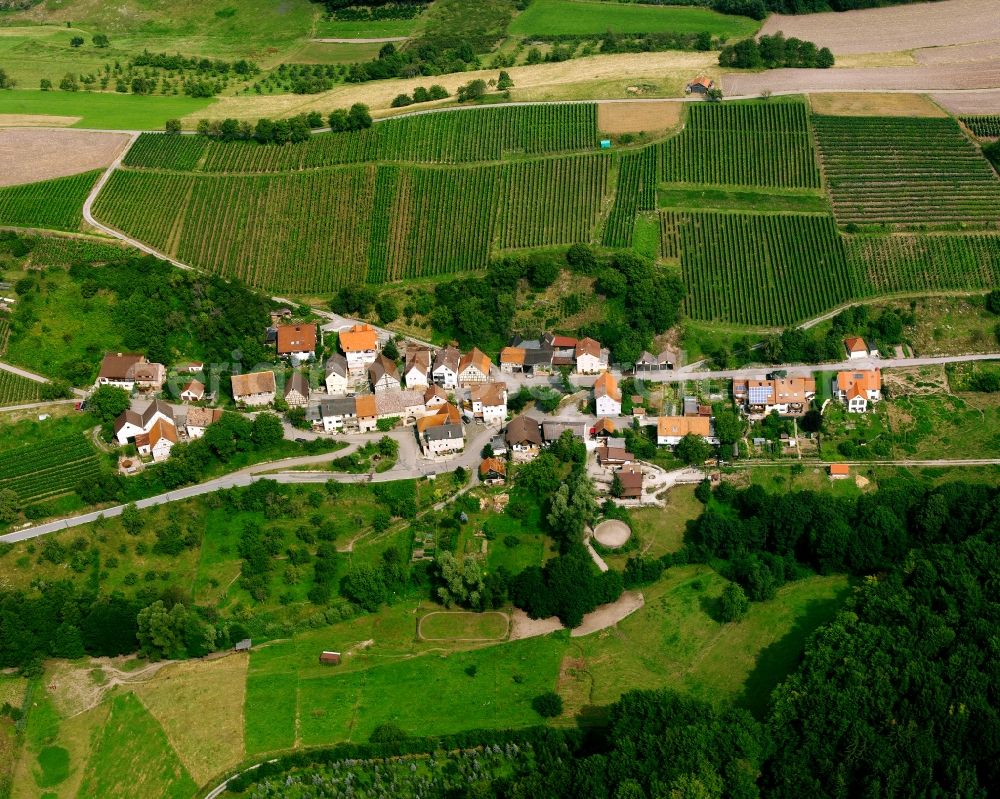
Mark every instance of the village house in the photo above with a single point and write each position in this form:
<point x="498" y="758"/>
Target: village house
<point x="789" y="396"/>
<point x="191" y="367"/>
<point x="492" y="471"/>
<point x="130" y="371"/>
<point x="360" y="346"/>
<point x="563" y="350"/>
<point x="416" y="373"/>
<point x="297" y="342"/>
<point x="489" y="402"/>
<point x="198" y="420"/>
<point x="474" y="368"/>
<point x="131" y="423"/>
<point x="435" y="397"/>
<point x="858" y="389"/>
<point x="648" y="363"/>
<point x="338" y="383"/>
<point x="297" y="391"/>
<point x="857" y="348"/>
<point x="839" y="471"/>
<point x="671" y="429"/>
<point x="607" y="397"/>
<point x="630" y="480"/>
<point x="524" y="438"/>
<point x="407" y="406"/>
<point x="604" y="428"/>
<point x="338" y="414"/>
<point x="614" y="453"/>
<point x="367" y="411"/>
<point x="590" y="358"/>
<point x="446" y="366"/>
<point x="158" y="442"/>
<point x="383" y="375"/>
<point x="552" y="431"/>
<point x="441" y="433"/>
<point x="254" y="389"/>
<point x="193" y="391"/>
<point x="512" y="360"/>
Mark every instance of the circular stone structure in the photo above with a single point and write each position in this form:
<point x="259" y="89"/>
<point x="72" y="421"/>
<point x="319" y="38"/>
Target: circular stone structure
<point x="612" y="533"/>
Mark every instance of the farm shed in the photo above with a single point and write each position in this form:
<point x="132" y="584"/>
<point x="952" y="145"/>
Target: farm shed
<point x="243" y="646"/>
<point x="330" y="658"/>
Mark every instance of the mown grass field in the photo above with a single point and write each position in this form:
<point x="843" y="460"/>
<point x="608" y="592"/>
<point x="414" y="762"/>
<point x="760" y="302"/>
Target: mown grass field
<point x="460" y="625"/>
<point x="583" y="18"/>
<point x="102" y="109"/>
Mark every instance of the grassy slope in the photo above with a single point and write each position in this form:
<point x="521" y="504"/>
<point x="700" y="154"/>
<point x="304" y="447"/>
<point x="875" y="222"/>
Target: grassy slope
<point x="133" y="757"/>
<point x="553" y="17"/>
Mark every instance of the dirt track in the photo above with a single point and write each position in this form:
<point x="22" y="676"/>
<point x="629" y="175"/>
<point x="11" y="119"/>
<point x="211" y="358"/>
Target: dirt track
<point x="29" y="155"/>
<point x="880" y="30"/>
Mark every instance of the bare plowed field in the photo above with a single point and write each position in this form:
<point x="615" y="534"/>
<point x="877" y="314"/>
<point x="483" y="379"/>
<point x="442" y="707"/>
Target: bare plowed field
<point x="970" y="102"/>
<point x="960" y="53"/>
<point x="31" y="155"/>
<point x="978" y="75"/>
<point x="880" y="30"/>
<point x="644" y="117"/>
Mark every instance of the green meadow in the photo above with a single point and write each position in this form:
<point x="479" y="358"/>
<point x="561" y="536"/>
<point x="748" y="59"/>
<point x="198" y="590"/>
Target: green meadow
<point x="590" y="18"/>
<point x="103" y="110"/>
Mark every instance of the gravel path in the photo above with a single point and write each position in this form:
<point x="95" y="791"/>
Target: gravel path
<point x="609" y="615"/>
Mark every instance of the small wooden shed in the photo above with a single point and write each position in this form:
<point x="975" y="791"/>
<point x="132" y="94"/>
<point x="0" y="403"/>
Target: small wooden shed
<point x="243" y="646"/>
<point x="330" y="658"/>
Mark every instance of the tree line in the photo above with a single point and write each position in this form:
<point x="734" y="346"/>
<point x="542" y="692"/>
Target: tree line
<point x="295" y="130"/>
<point x="773" y="52"/>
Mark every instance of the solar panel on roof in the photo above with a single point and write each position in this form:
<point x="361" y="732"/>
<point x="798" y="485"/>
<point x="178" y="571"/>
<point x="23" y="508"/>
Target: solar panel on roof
<point x="759" y="395"/>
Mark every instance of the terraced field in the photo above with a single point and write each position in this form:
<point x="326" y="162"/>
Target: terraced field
<point x="56" y="204"/>
<point x="762" y="144"/>
<point x="453" y="137"/>
<point x="940" y="262"/>
<point x="762" y="270"/>
<point x="903" y="171"/>
<point x="315" y="230"/>
<point x="14" y="389"/>
<point x="39" y="472"/>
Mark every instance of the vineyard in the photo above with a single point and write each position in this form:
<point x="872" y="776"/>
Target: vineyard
<point x="452" y="137"/>
<point x="985" y="127"/>
<point x="900" y="170"/>
<point x="14" y="389"/>
<point x="761" y="269"/>
<point x="636" y="192"/>
<point x="316" y="230"/>
<point x="750" y="145"/>
<point x="911" y="263"/>
<point x="55" y="204"/>
<point x="39" y="472"/>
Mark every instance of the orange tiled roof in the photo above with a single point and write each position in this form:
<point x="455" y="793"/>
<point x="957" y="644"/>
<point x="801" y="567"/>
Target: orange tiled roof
<point x="364" y="405"/>
<point x="682" y="425"/>
<point x="360" y="338"/>
<point x="296" y="338"/>
<point x="607" y="386"/>
<point x="864" y="380"/>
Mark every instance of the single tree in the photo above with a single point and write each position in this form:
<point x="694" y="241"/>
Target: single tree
<point x="76" y="41"/>
<point x="733" y="604"/>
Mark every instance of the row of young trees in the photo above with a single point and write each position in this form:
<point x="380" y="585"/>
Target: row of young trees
<point x="295" y="130"/>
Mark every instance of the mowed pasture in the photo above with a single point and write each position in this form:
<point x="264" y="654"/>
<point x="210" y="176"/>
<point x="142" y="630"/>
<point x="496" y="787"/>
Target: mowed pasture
<point x="315" y="230"/>
<point x="56" y="204"/>
<point x="761" y="270"/>
<point x="589" y="18"/>
<point x="905" y="171"/>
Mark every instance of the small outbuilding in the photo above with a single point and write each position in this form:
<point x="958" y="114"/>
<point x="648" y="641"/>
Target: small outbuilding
<point x="700" y="85"/>
<point x="839" y="471"/>
<point x="243" y="646"/>
<point x="330" y="658"/>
